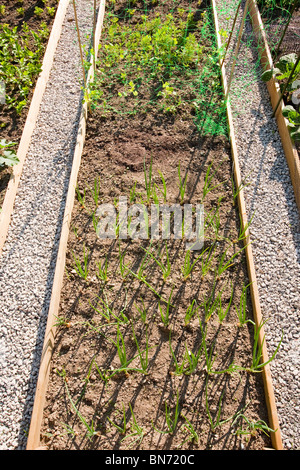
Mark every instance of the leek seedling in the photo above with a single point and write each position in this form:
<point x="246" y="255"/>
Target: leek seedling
<point x="188" y="427"/>
<point x="178" y="368"/>
<point x="91" y="431"/>
<point x="165" y="317"/>
<point x="171" y="420"/>
<point x="223" y="264"/>
<point x="257" y="353"/>
<point x="164" y="191"/>
<point x="82" y="270"/>
<point x="221" y="312"/>
<point x="206" y="262"/>
<point x="208" y="182"/>
<point x="218" y="422"/>
<point x="191" y="310"/>
<point x="95" y="191"/>
<point x="191" y="360"/>
<point x="142" y="311"/>
<point x="121" y="429"/>
<point x="188" y="265"/>
<point x="143" y="359"/>
<point x="242" y="310"/>
<point x="165" y="267"/>
<point x="136" y="431"/>
<point x="124" y="268"/>
<point x="81" y="197"/>
<point x="252" y="426"/>
<point x="102" y="271"/>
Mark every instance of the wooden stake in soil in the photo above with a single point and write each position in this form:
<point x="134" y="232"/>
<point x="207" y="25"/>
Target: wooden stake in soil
<point x="230" y="36"/>
<point x="285" y="28"/>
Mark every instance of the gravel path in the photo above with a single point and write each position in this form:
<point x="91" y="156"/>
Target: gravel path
<point x="275" y="229"/>
<point x="28" y="260"/>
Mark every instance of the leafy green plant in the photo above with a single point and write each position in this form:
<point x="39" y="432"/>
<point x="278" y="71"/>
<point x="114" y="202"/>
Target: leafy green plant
<point x="282" y="69"/>
<point x="8" y="157"/>
<point x="293" y="116"/>
<point x="21" y="52"/>
<point x="38" y="11"/>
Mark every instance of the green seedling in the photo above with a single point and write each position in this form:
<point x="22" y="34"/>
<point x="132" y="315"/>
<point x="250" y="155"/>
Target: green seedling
<point x="90" y="429"/>
<point x="165" y="267"/>
<point x="164" y="191"/>
<point x="191" y="310"/>
<point x="214" y="424"/>
<point x="189" y="428"/>
<point x="207" y="261"/>
<point x="188" y="266"/>
<point x="143" y="355"/>
<point x="81" y="269"/>
<point x="148" y="180"/>
<point x="142" y="311"/>
<point x="95" y="191"/>
<point x="208" y="186"/>
<point x="252" y="426"/>
<point x="242" y="310"/>
<point x="137" y="432"/>
<point x="102" y="272"/>
<point x="165" y="317"/>
<point x="257" y="354"/>
<point x="222" y="313"/>
<point x="226" y="264"/>
<point x="81" y="197"/>
<point x="171" y="419"/>
<point x="121" y="429"/>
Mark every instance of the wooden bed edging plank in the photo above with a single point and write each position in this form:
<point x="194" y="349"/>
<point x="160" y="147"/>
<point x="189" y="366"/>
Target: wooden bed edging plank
<point x="33" y="441"/>
<point x="12" y="188"/>
<point x="289" y="148"/>
<point x="267" y="379"/>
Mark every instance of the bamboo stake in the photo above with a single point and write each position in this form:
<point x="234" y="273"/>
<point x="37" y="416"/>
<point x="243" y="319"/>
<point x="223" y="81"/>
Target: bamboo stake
<point x="230" y="36"/>
<point x="286" y="27"/>
<point x="79" y="42"/>
<point x="286" y="85"/>
<point x="94" y="39"/>
<point x="237" y="48"/>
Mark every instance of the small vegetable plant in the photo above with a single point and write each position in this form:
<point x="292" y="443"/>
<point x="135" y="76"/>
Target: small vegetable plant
<point x="8" y="157"/>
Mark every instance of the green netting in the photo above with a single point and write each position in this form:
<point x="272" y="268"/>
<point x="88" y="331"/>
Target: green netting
<point x="161" y="57"/>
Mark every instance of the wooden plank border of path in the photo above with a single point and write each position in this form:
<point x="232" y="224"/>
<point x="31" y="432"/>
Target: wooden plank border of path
<point x="33" y="441"/>
<point x="267" y="379"/>
<point x="291" y="154"/>
<point x="12" y="188"/>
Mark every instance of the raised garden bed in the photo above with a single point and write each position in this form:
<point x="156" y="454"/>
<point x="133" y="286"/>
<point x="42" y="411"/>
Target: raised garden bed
<point x="147" y="354"/>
